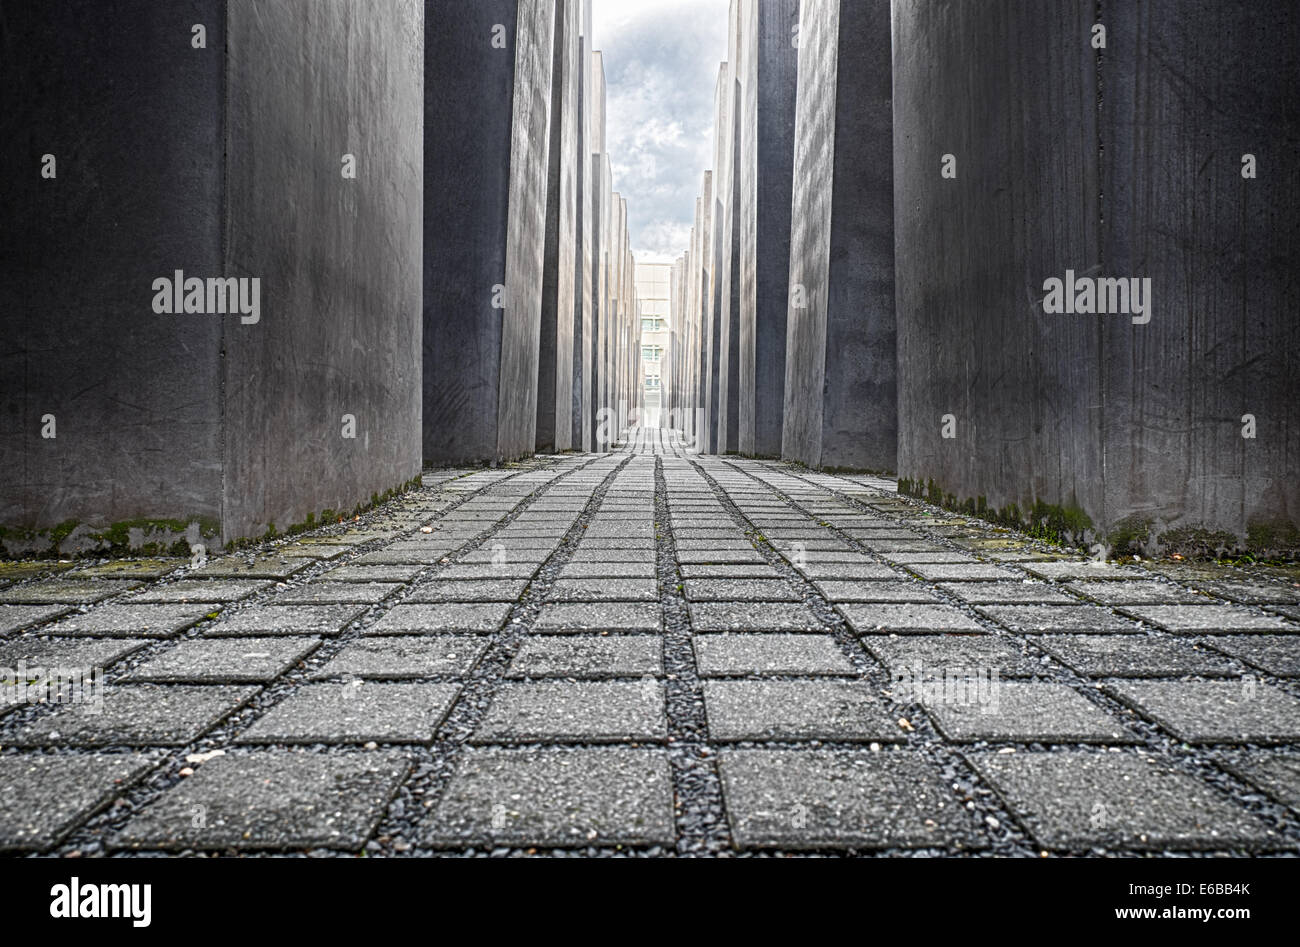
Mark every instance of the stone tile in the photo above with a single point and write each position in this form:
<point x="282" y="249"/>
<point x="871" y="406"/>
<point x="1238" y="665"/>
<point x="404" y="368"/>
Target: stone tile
<point x="224" y="661"/>
<point x="751" y="616"/>
<point x="17" y="617"/>
<point x="581" y="712"/>
<point x="740" y="655"/>
<point x="283" y="800"/>
<point x="199" y="590"/>
<point x="919" y="558"/>
<point x="719" y="557"/>
<point x="963" y="571"/>
<point x="326" y="620"/>
<point x="1208" y="619"/>
<point x="43" y="798"/>
<point x="588" y="657"/>
<point x="403" y="556"/>
<point x="613" y="570"/>
<point x="396" y="572"/>
<point x="1058" y="619"/>
<point x="1253" y="593"/>
<point x="796" y="710"/>
<point x="468" y="590"/>
<point x="818" y="799"/>
<point x="1278" y="655"/>
<point x="1008" y="593"/>
<point x="152" y="568"/>
<point x="66" y="591"/>
<point x="234" y="567"/>
<point x="1023" y="712"/>
<point x="735" y="571"/>
<point x="599" y="616"/>
<point x="482" y="618"/>
<point x="487" y="570"/>
<point x="1075" y="800"/>
<point x="603" y="796"/>
<point x="83" y="654"/>
<point x="1086" y="569"/>
<point x="1276" y="774"/>
<point x="843" y="571"/>
<point x="875" y="591"/>
<point x="917" y="657"/>
<point x="1110" y="592"/>
<point x="355" y="713"/>
<point x="135" y="715"/>
<point x="610" y="555"/>
<point x="324" y="592"/>
<point x="403" y="658"/>
<point x="1134" y="656"/>
<point x="740" y="590"/>
<point x="120" y="620"/>
<point x="1205" y="712"/>
<point x="908" y="619"/>
<point x="604" y="590"/>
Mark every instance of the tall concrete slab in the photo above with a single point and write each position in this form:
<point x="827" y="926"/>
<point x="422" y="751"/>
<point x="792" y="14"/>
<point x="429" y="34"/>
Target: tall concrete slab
<point x="723" y="164"/>
<point x="840" y="388"/>
<point x="128" y="422"/>
<point x="730" y="157"/>
<point x="1130" y="428"/>
<point x="770" y="60"/>
<point x="560" y="278"/>
<point x="580" y="387"/>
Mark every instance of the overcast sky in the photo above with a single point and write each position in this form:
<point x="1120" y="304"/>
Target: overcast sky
<point x="661" y="66"/>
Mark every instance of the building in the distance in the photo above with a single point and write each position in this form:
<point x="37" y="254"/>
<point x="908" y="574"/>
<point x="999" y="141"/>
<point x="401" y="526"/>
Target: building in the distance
<point x="653" y="293"/>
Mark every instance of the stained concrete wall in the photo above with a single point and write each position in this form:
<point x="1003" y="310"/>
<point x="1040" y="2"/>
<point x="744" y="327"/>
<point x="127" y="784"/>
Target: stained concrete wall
<point x="560" y="275"/>
<point x="716" y="243"/>
<point x="178" y="428"/>
<point x="730" y="157"/>
<point x="580" y="388"/>
<point x="840" y="391"/>
<point x="769" y="60"/>
<point x="1130" y="165"/>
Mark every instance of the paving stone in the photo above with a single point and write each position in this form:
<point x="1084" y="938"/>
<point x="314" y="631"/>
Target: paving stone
<point x="719" y="556"/>
<point x="1276" y="774"/>
<point x="425" y="619"/>
<point x="485" y="570"/>
<point x="908" y="619"/>
<point x="66" y="591"/>
<point x="337" y="593"/>
<point x="135" y="715"/>
<point x="739" y="655"/>
<point x="1006" y="593"/>
<point x="613" y="570"/>
<point x="1208" y="619"/>
<point x="1253" y="593"/>
<point x="1086" y="569"/>
<point x="233" y="567"/>
<point x="604" y="590"/>
<point x="740" y="590"/>
<point x="42" y="798"/>
<point x="603" y="796"/>
<point x="575" y="712"/>
<point x="1075" y="800"/>
<point x="326" y="620"/>
<point x="1288" y="611"/>
<point x="918" y="558"/>
<point x="55" y="653"/>
<point x="599" y="616"/>
<point x="588" y="657"/>
<point x="17" y="617"/>
<point x="962" y="571"/>
<point x="735" y="571"/>
<point x="753" y="616"/>
<point x="848" y="570"/>
<point x="1110" y="592"/>
<point x="610" y="555"/>
<point x="355" y="712"/>
<point x="403" y="556"/>
<point x="1134" y="656"/>
<point x="468" y="590"/>
<point x="224" y="661"/>
<point x="1022" y="712"/>
<point x="818" y="799"/>
<point x="375" y="573"/>
<point x="405" y="658"/>
<point x="796" y="710"/>
<point x="917" y="657"/>
<point x="1059" y="619"/>
<point x="1278" y="655"/>
<point x="199" y="590"/>
<point x="875" y="591"/>
<point x="153" y="568"/>
<point x="274" y="799"/>
<point x="1204" y="712"/>
<point x="603" y="543"/>
<point x="122" y="620"/>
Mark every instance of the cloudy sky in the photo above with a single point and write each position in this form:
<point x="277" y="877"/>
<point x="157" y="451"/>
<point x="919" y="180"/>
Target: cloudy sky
<point x="661" y="66"/>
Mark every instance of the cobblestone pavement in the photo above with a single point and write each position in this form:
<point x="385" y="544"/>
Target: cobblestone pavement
<point x="651" y="652"/>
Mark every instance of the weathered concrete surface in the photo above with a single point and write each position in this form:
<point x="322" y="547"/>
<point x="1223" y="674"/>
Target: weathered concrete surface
<point x="840" y="395"/>
<point x="187" y="427"/>
<point x="560" y="274"/>
<point x="1134" y="170"/>
<point x="728" y="228"/>
<point x="715" y="244"/>
<point x="770" y="60"/>
<point x="580" y="387"/>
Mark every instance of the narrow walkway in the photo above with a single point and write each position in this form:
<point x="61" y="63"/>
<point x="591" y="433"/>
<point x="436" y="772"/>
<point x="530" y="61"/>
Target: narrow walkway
<point x="653" y="652"/>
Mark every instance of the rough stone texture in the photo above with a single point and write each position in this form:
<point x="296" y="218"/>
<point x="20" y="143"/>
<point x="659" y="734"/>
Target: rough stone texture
<point x="275" y="799"/>
<point x="224" y="661"/>
<point x="732" y="655"/>
<point x="1276" y="654"/>
<point x="424" y="619"/>
<point x="1121" y="173"/>
<point x="356" y="713"/>
<point x="1275" y="773"/>
<point x="1024" y="712"/>
<point x="285" y="620"/>
<point x="796" y="710"/>
<point x="1215" y="711"/>
<point x="585" y="712"/>
<point x="588" y="657"/>
<point x="840" y="388"/>
<point x="1134" y="656"/>
<point x="402" y="657"/>
<point x="43" y="797"/>
<point x="132" y="621"/>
